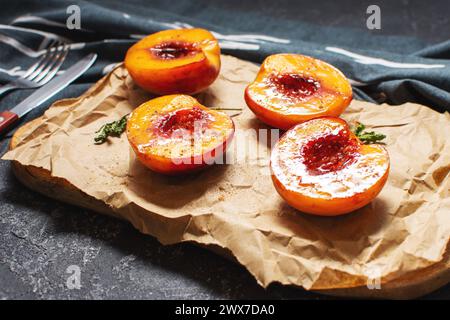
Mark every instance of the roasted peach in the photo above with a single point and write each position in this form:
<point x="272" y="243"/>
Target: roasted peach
<point x="176" y="134"/>
<point x="321" y="167"/>
<point x="291" y="88"/>
<point x="174" y="61"/>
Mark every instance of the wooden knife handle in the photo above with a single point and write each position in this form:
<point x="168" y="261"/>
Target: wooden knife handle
<point x="7" y="118"/>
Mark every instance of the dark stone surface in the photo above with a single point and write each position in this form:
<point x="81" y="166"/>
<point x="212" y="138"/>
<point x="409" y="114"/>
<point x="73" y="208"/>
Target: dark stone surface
<point x="40" y="237"/>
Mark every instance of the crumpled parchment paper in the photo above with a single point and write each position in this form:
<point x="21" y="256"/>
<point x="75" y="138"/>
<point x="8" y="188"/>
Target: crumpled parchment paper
<point x="235" y="207"/>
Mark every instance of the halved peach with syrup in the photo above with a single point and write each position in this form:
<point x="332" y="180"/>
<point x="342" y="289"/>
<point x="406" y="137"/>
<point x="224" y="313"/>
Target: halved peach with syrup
<point x="176" y="134"/>
<point x="175" y="61"/>
<point x="321" y="167"/>
<point x="292" y="88"/>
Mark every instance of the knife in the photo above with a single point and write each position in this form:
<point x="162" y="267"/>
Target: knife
<point x="8" y="118"/>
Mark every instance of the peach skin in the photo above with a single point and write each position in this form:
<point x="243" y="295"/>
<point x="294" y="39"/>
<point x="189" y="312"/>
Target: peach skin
<point x="183" y="61"/>
<point x="291" y="88"/>
<point x="320" y="167"/>
<point x="176" y="134"/>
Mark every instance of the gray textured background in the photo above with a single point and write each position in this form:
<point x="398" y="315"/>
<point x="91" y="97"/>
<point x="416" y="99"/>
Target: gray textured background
<point x="40" y="238"/>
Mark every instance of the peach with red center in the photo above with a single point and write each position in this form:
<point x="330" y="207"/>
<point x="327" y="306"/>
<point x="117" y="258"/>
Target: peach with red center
<point x="321" y="167"/>
<point x="291" y="88"/>
<point x="183" y="61"/>
<point x="176" y="134"/>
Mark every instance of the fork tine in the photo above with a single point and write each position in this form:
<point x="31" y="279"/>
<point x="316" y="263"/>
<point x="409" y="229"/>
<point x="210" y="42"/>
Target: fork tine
<point x="38" y="63"/>
<point x="48" y="59"/>
<point x="55" y="61"/>
<point x="56" y="66"/>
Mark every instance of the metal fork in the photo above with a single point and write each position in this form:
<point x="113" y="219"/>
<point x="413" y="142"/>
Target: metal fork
<point x="42" y="71"/>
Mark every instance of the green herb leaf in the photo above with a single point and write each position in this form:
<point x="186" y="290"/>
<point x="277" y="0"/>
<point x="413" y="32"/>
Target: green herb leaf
<point x="114" y="129"/>
<point x="359" y="129"/>
<point x="367" y="137"/>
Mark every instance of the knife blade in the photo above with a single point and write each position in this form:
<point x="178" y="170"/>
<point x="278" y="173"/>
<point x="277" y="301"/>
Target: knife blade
<point x="8" y="118"/>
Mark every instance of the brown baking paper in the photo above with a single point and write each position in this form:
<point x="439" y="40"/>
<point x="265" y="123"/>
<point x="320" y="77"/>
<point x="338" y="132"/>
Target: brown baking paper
<point x="235" y="207"/>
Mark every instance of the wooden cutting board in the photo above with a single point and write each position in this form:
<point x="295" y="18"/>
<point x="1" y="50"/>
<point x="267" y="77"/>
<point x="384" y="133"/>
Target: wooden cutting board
<point x="40" y="180"/>
<point x="414" y="284"/>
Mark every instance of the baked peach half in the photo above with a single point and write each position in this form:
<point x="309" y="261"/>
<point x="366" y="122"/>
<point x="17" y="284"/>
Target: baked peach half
<point x="321" y="167"/>
<point x="179" y="61"/>
<point x="176" y="134"/>
<point x="292" y="88"/>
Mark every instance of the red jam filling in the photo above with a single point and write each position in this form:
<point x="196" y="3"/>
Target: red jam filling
<point x="173" y="50"/>
<point x="294" y="85"/>
<point x="329" y="153"/>
<point x="186" y="119"/>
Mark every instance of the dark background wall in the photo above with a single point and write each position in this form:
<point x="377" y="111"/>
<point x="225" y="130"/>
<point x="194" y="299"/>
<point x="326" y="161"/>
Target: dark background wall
<point x="428" y="20"/>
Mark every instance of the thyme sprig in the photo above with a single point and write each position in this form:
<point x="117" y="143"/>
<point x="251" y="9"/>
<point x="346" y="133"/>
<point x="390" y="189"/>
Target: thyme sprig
<point x="367" y="137"/>
<point x="113" y="129"/>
